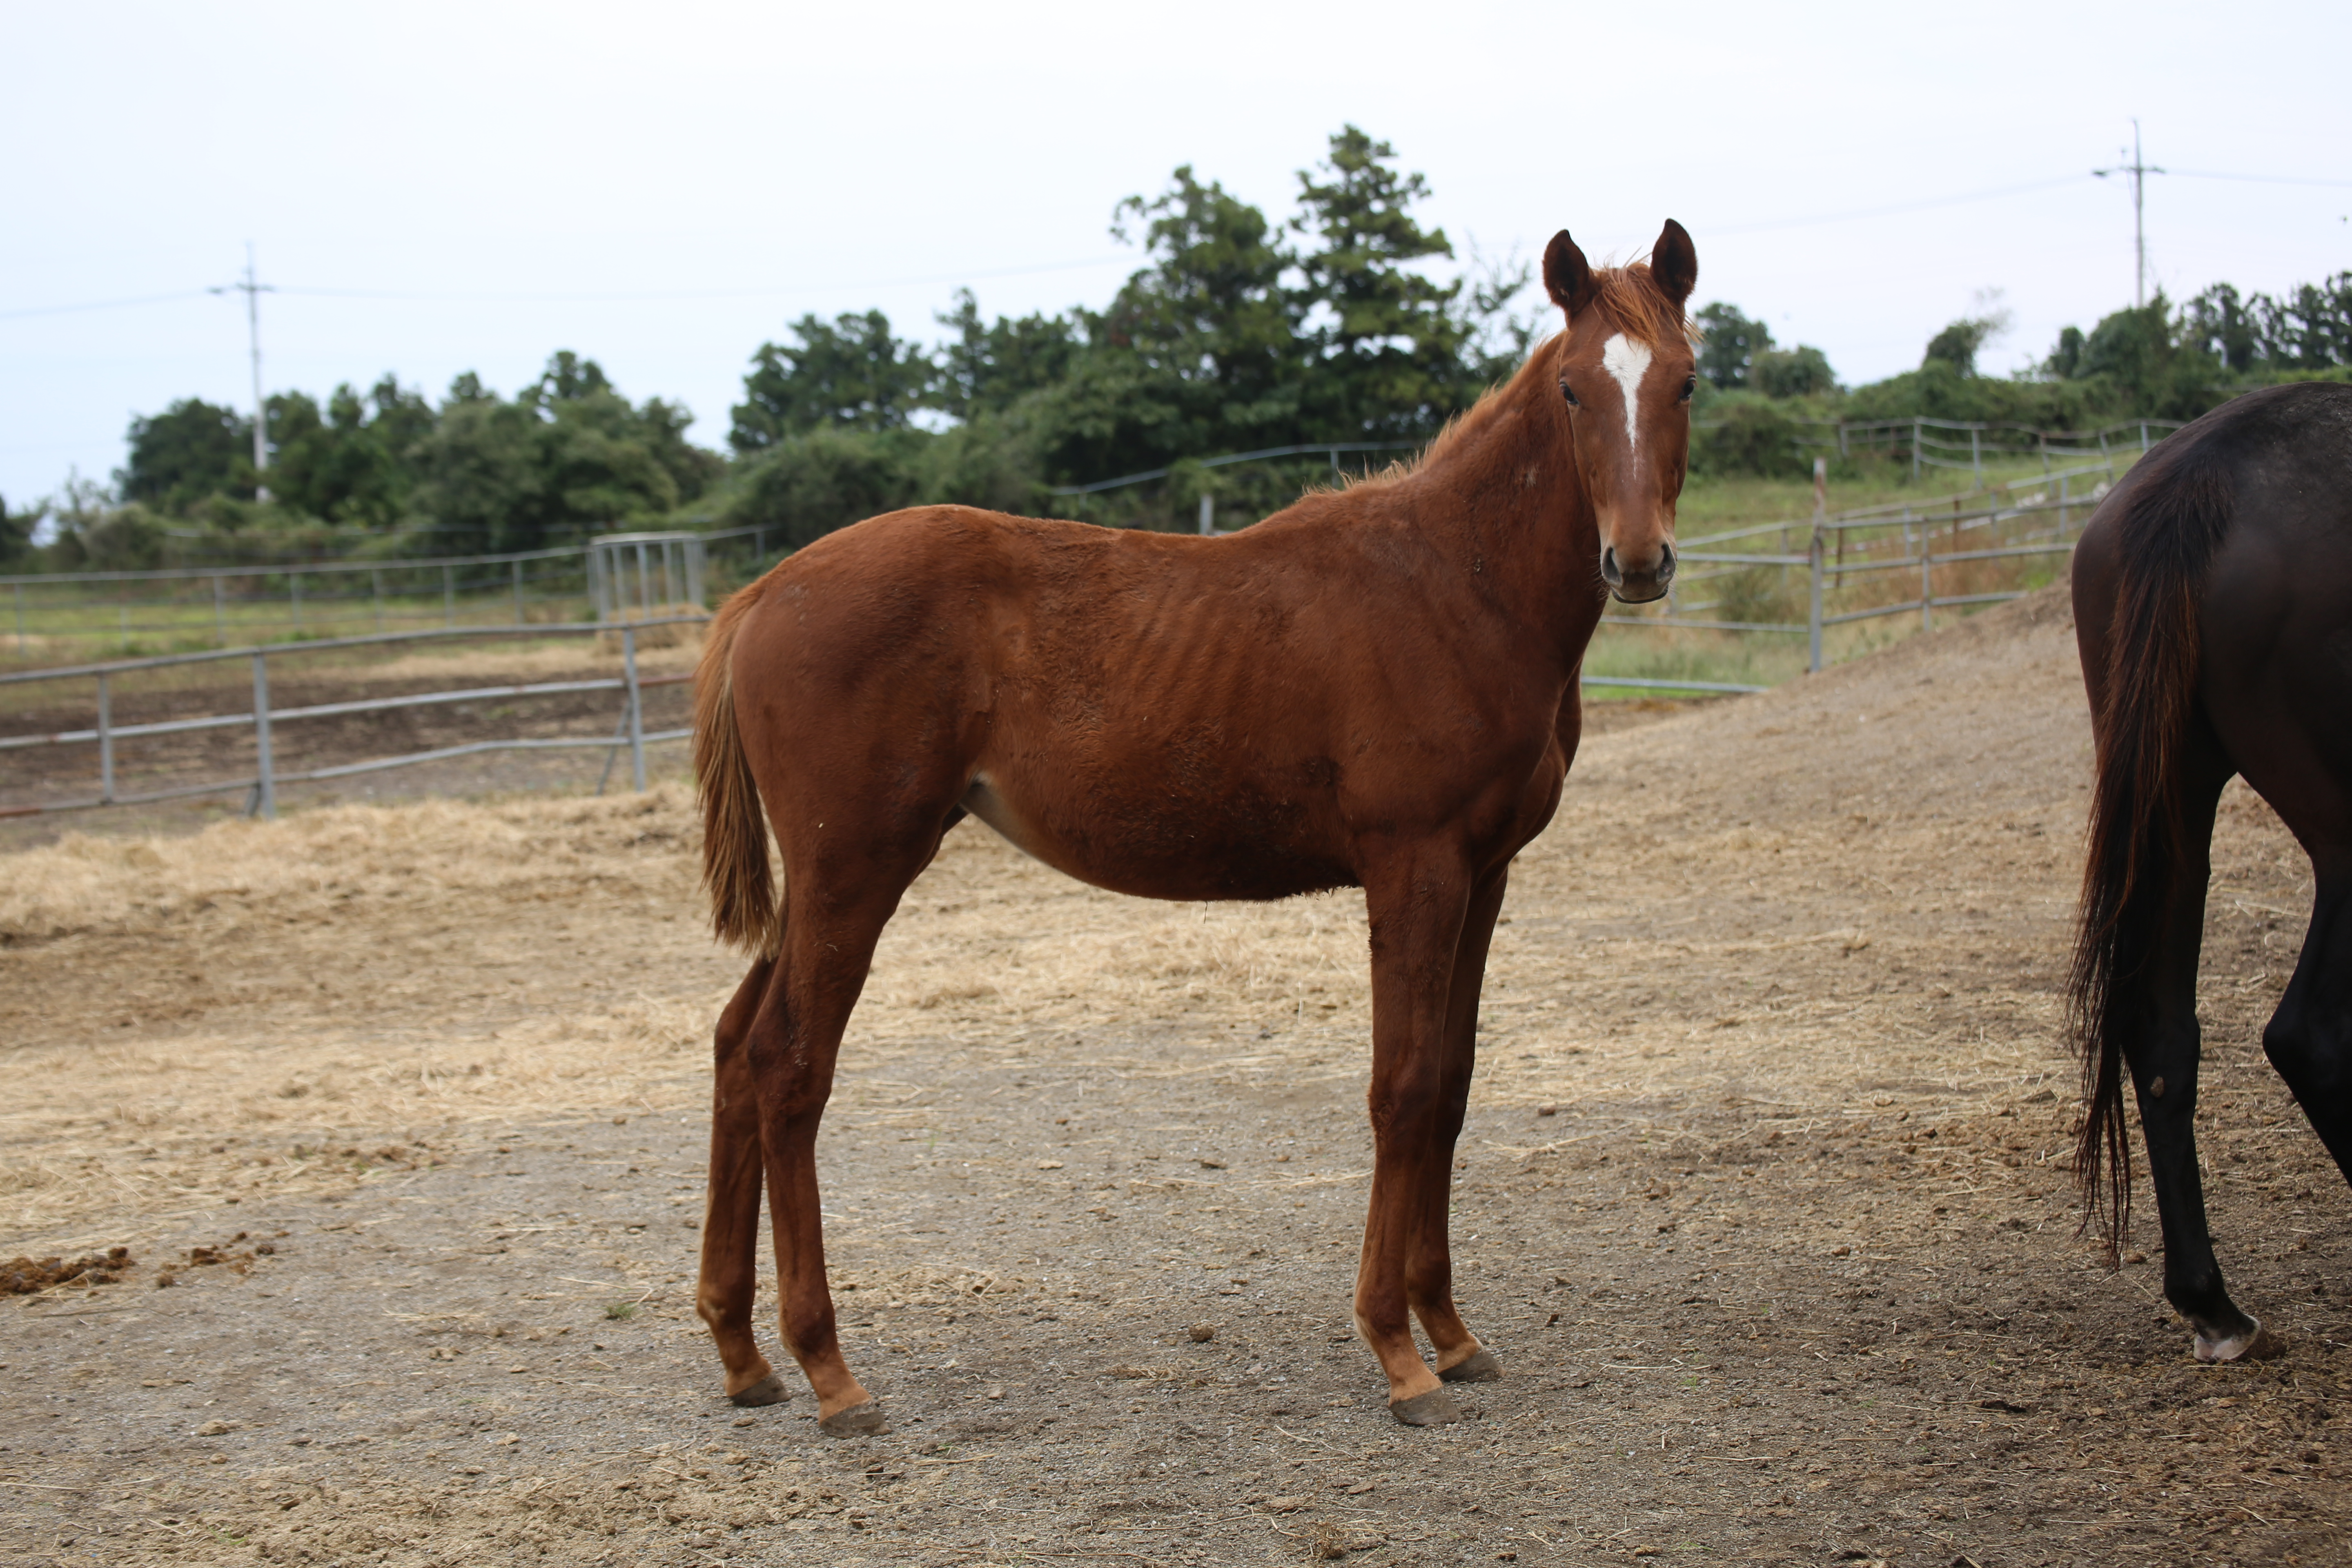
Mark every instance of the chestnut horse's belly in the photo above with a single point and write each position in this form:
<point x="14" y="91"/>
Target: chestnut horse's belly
<point x="1172" y="849"/>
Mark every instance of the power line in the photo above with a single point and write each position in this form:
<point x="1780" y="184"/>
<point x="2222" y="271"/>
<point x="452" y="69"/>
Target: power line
<point x="627" y="297"/>
<point x="2257" y="179"/>
<point x="653" y="295"/>
<point x="1898" y="208"/>
<point x="104" y="304"/>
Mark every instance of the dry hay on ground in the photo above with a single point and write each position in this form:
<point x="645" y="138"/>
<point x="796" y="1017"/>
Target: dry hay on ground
<point x="1764" y="1184"/>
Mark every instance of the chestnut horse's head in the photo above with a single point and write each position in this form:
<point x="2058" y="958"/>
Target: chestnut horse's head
<point x="1627" y="370"/>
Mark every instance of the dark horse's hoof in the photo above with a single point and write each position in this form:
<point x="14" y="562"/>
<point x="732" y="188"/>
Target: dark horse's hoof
<point x="1435" y="1408"/>
<point x="1480" y="1366"/>
<point x="769" y="1390"/>
<point x="2254" y="1343"/>
<point x="858" y="1421"/>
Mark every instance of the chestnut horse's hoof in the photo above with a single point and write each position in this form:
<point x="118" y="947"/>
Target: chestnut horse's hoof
<point x="1435" y="1408"/>
<point x="858" y="1421"/>
<point x="769" y="1390"/>
<point x="1480" y="1366"/>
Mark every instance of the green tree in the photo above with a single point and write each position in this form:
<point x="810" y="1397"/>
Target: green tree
<point x="2311" y="328"/>
<point x="1957" y="345"/>
<point x="1389" y="342"/>
<point x="1800" y="372"/>
<point x="569" y="457"/>
<point x="1728" y="346"/>
<point x="850" y="373"/>
<point x="16" y="533"/>
<point x="987" y="367"/>
<point x="191" y="450"/>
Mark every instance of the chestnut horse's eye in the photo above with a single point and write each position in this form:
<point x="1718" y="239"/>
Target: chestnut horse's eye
<point x="1570" y="395"/>
<point x="1690" y="385"/>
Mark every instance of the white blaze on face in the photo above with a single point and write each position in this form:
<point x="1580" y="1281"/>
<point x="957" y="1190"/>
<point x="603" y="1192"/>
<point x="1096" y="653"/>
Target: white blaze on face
<point x="1627" y="361"/>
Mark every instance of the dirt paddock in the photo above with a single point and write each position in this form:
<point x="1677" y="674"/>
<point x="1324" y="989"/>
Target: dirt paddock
<point x="1762" y="1201"/>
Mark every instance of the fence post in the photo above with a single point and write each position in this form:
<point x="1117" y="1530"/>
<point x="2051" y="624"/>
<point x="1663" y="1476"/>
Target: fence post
<point x="1813" y="616"/>
<point x="636" y="709"/>
<point x="105" y="741"/>
<point x="265" y="784"/>
<point x="448" y="594"/>
<point x="517" y="590"/>
<point x="1208" y="514"/>
<point x="1927" y="579"/>
<point x="220" y="616"/>
<point x="1915" y="451"/>
<point x="2143" y="435"/>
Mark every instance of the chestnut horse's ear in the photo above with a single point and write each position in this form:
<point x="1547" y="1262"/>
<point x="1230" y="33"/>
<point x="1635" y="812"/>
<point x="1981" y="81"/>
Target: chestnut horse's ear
<point x="1567" y="277"/>
<point x="1673" y="262"/>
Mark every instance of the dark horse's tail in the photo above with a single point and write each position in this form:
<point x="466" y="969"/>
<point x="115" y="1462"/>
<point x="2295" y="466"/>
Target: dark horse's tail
<point x="743" y="907"/>
<point x="2172" y="523"/>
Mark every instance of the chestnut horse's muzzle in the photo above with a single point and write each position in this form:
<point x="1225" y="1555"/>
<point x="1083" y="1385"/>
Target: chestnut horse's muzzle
<point x="1638" y="587"/>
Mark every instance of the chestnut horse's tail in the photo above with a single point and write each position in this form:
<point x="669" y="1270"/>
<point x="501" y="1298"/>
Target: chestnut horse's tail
<point x="744" y="908"/>
<point x="2171" y="525"/>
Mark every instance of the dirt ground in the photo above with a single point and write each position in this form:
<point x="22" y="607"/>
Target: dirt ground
<point x="1762" y="1201"/>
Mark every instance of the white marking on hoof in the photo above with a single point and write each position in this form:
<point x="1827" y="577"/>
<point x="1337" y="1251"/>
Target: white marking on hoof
<point x="1628" y="362"/>
<point x="2231" y="1348"/>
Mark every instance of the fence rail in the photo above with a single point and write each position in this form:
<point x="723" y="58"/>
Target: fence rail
<point x="226" y="605"/>
<point x="630" y="733"/>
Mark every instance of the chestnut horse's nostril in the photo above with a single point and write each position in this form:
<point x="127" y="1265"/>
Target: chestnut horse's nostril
<point x="1610" y="573"/>
<point x="1666" y="565"/>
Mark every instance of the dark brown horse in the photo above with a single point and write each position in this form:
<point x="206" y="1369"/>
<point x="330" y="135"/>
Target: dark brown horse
<point x="1375" y="688"/>
<point x="2213" y="604"/>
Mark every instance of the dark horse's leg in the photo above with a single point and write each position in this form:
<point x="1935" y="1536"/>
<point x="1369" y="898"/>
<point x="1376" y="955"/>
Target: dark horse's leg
<point x="1429" y="1266"/>
<point x="2163" y="1056"/>
<point x="2300" y="759"/>
<point x="730" y="1226"/>
<point x="1417" y="903"/>
<point x="2309" y="1039"/>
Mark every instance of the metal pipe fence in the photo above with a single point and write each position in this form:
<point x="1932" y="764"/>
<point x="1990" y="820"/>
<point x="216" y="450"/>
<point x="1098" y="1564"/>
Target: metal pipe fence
<point x="1850" y="550"/>
<point x="606" y="578"/>
<point x="630" y="733"/>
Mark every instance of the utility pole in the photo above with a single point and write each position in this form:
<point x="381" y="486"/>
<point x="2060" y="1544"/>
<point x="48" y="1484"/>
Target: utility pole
<point x="253" y="289"/>
<point x="2138" y="169"/>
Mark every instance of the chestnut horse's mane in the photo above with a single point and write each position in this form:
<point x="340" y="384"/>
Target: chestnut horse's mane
<point x="1627" y="297"/>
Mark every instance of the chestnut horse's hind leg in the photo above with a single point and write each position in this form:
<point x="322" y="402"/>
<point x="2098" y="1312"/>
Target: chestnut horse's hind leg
<point x="730" y="1226"/>
<point x="1416" y="912"/>
<point x="1429" y="1265"/>
<point x="795" y="1037"/>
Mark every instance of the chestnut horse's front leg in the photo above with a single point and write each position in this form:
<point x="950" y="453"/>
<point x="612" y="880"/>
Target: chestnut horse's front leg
<point x="1416" y="906"/>
<point x="730" y="1226"/>
<point x="1429" y="1268"/>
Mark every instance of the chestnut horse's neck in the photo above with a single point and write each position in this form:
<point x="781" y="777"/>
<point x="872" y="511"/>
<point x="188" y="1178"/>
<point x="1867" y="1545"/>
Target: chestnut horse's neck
<point x="1501" y="495"/>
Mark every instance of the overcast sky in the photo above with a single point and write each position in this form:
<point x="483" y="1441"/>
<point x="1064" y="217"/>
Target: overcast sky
<point x="442" y="188"/>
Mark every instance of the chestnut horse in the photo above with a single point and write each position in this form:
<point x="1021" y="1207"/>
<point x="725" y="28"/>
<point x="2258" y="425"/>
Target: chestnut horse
<point x="1376" y="687"/>
<point x="2213" y="607"/>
